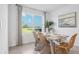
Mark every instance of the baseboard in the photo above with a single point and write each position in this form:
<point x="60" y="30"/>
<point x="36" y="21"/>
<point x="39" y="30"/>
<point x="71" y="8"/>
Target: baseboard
<point x="22" y="44"/>
<point x="29" y="43"/>
<point x="12" y="45"/>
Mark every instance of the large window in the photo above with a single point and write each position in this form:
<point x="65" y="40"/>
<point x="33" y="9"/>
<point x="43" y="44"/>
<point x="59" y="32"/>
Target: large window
<point x="31" y="22"/>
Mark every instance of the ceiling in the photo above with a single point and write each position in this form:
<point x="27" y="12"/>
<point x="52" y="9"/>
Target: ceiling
<point x="45" y="7"/>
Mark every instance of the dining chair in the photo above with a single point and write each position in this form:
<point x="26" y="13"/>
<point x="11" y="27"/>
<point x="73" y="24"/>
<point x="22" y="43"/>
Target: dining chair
<point x="65" y="47"/>
<point x="35" y="33"/>
<point x="44" y="45"/>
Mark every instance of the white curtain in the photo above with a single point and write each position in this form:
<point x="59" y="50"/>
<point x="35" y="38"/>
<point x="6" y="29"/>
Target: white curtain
<point x="19" y="25"/>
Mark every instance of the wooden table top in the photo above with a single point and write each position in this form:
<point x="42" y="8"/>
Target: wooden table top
<point x="55" y="37"/>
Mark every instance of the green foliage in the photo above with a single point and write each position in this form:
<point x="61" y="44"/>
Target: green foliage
<point x="48" y="23"/>
<point x="25" y="26"/>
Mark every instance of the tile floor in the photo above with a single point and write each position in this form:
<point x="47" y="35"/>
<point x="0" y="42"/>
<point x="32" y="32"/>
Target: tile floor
<point x="29" y="49"/>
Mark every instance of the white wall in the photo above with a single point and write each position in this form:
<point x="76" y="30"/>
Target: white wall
<point x="53" y="16"/>
<point x="3" y="28"/>
<point x="13" y="24"/>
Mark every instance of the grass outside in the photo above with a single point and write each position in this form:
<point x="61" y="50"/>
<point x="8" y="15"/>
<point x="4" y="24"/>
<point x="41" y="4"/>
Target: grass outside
<point x="27" y="30"/>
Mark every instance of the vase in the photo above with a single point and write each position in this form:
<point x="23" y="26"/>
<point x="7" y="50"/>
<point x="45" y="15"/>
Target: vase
<point x="47" y="30"/>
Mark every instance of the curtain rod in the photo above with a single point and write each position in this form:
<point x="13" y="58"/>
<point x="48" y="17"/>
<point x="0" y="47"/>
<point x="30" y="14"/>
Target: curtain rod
<point x="30" y="8"/>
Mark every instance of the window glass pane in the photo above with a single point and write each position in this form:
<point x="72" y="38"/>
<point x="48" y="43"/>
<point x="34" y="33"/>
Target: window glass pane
<point x="38" y="22"/>
<point x="27" y="23"/>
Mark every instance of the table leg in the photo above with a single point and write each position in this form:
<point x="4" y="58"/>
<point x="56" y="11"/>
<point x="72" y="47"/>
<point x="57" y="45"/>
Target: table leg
<point x="52" y="45"/>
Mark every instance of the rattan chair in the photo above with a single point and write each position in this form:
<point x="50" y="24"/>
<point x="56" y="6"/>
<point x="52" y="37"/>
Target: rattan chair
<point x="44" y="45"/>
<point x="65" y="47"/>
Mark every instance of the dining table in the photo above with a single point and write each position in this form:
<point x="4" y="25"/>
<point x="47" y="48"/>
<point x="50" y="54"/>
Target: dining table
<point x="54" y="39"/>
